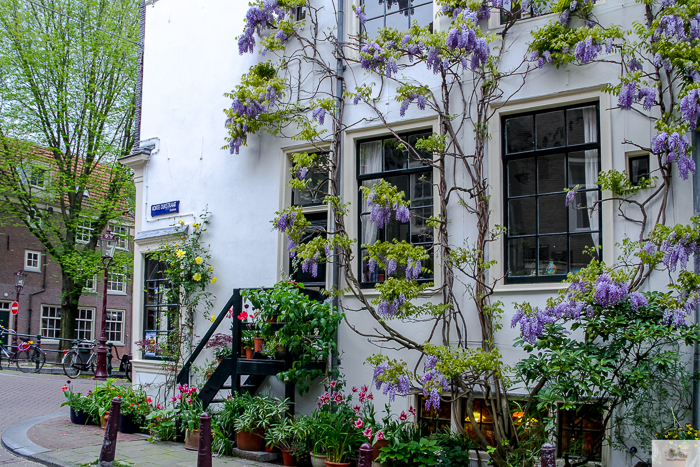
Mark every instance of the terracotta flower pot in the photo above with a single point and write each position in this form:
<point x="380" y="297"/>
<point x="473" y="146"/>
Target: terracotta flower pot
<point x="258" y="342"/>
<point x="219" y="360"/>
<point x="249" y="353"/>
<point x="377" y="446"/>
<point x="318" y="460"/>
<point x="248" y="441"/>
<point x="105" y="417"/>
<point x="287" y="458"/>
<point x="192" y="440"/>
<point x="337" y="464"/>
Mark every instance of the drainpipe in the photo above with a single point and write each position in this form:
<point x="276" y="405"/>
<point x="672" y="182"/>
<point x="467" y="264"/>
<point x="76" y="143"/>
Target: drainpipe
<point x="340" y="68"/>
<point x="139" y="78"/>
<point x="696" y="347"/>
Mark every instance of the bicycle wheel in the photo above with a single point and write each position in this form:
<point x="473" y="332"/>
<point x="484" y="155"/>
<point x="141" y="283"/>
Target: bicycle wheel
<point x="127" y="370"/>
<point x="71" y="362"/>
<point x="30" y="360"/>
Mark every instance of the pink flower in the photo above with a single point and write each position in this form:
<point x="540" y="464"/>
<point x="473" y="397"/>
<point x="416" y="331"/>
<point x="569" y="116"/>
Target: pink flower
<point x="64" y="388"/>
<point x="362" y="397"/>
<point x="149" y="400"/>
<point x="242" y="315"/>
<point x="159" y="407"/>
<point x="370" y="396"/>
<point x="356" y="409"/>
<point x="318" y="404"/>
<point x="403" y="416"/>
<point x="189" y="400"/>
<point x="338" y="398"/>
<point x="174" y="399"/>
<point x="364" y="388"/>
<point x="368" y="433"/>
<point x="179" y="396"/>
<point x="359" y="423"/>
<point x="380" y="436"/>
<point x="354" y="389"/>
<point x="334" y="384"/>
<point x="412" y="411"/>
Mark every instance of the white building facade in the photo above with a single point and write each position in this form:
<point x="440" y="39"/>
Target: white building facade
<point x="191" y="59"/>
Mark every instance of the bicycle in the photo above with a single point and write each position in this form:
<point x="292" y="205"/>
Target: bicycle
<point x="74" y="360"/>
<point x="29" y="357"/>
<point x="9" y="353"/>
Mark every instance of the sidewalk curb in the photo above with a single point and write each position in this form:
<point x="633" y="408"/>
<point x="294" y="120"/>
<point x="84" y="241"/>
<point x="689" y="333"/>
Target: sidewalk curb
<point x="15" y="440"/>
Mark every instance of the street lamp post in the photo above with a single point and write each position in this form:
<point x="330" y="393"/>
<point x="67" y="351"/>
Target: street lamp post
<point x="20" y="277"/>
<point x="107" y="244"/>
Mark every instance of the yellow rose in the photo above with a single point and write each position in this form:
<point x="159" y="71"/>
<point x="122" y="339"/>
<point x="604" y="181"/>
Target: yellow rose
<point x="180" y="254"/>
<point x="211" y="268"/>
<point x="197" y="276"/>
<point x="212" y="318"/>
<point x="181" y="222"/>
<point x="198" y="260"/>
<point x="195" y="225"/>
<point x="213" y="280"/>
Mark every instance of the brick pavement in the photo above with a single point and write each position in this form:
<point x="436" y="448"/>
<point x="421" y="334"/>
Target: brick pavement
<point x="24" y="396"/>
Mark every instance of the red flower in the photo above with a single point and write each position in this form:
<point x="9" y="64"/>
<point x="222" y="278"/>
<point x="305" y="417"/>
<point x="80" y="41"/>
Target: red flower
<point x="148" y="400"/>
<point x="132" y="404"/>
<point x="403" y="416"/>
<point x="380" y="436"/>
<point x="65" y="388"/>
<point x="364" y="388"/>
<point x="354" y="389"/>
<point x="359" y="423"/>
<point x="334" y="384"/>
<point x="368" y="433"/>
<point x="370" y="396"/>
<point x="357" y="409"/>
<point x="412" y="411"/>
<point x="243" y="315"/>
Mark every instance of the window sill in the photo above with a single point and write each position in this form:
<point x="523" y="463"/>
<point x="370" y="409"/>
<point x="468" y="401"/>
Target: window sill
<point x="32" y="270"/>
<point x="109" y="292"/>
<point x="531" y="288"/>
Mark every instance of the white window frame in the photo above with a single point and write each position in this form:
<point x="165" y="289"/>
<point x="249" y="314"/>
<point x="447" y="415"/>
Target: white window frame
<point x="26" y="173"/>
<point x="55" y="330"/>
<point x="113" y="279"/>
<point x="27" y="266"/>
<point x="84" y="225"/>
<point x="91" y="320"/>
<point x="92" y="289"/>
<point x="496" y="174"/>
<point x="111" y="321"/>
<point x="121" y="232"/>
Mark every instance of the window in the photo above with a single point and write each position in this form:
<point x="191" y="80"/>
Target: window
<point x="543" y="153"/>
<point x="433" y="421"/>
<point x="160" y="315"/>
<point x="32" y="261"/>
<point x="581" y="432"/>
<point x="482" y="418"/>
<point x="83" y="325"/>
<point x="381" y="158"/>
<point x="512" y="10"/>
<point x="399" y="14"/>
<point x="122" y="234"/>
<point x="50" y="321"/>
<point x="91" y="284"/>
<point x="638" y="168"/>
<point x="115" y="326"/>
<point x="116" y="281"/>
<point x="34" y="175"/>
<point x="83" y="232"/>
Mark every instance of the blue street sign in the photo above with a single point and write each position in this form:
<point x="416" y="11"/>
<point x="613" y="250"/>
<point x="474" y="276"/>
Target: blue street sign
<point x="165" y="208"/>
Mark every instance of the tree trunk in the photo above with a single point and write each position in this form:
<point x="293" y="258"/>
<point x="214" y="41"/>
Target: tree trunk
<point x="69" y="310"/>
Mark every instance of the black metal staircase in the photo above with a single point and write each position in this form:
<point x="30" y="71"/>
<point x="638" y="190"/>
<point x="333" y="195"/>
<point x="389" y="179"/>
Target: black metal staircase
<point x="234" y="367"/>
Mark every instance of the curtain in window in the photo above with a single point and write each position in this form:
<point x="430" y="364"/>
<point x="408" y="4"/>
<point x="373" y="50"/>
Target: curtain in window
<point x="590" y="127"/>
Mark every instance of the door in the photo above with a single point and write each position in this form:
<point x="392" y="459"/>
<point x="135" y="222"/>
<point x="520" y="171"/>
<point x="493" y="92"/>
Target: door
<point x="5" y="318"/>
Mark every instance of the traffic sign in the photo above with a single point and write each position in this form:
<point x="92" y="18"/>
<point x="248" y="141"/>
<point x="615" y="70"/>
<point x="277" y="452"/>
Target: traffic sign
<point x="14" y="308"/>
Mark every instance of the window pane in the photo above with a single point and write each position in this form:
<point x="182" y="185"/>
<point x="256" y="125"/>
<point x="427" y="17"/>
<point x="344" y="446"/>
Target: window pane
<point x="420" y="230"/>
<point x="370" y="157"/>
<point x="394" y="5"/>
<point x="521" y="177"/>
<point x="368" y="184"/>
<point x="522" y="257"/>
<point x="421" y="190"/>
<point x="373" y="8"/>
<point x="316" y="191"/>
<point x="583" y="169"/>
<point x="552" y="210"/>
<point x="519" y="134"/>
<point x="367" y="276"/>
<point x="371" y="27"/>
<point x="551" y="174"/>
<point x="553" y="255"/>
<point x="412" y="160"/>
<point x="522" y="217"/>
<point x="580" y="218"/>
<point x="423" y="14"/>
<point x="550" y="129"/>
<point x="579" y="242"/>
<point x="369" y="230"/>
<point x="401" y="184"/>
<point x="394" y="158"/>
<point x="582" y="125"/>
<point x="397" y="230"/>
<point x="639" y="168"/>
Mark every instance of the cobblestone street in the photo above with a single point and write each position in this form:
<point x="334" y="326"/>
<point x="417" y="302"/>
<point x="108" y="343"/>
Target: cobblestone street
<point x="24" y="396"/>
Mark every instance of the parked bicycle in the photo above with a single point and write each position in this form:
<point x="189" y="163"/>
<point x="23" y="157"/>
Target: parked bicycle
<point x="28" y="357"/>
<point x="82" y="357"/>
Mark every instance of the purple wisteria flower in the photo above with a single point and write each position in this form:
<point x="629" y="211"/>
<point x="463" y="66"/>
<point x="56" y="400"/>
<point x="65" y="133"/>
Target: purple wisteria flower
<point x="360" y="14"/>
<point x="648" y="97"/>
<point x="319" y="114"/>
<point x="695" y="27"/>
<point x="391" y="266"/>
<point x="258" y="18"/>
<point x="686" y="166"/>
<point x="671" y="26"/>
<point x="636" y="65"/>
<point x="371" y="58"/>
<point x="388" y="310"/>
<point x="310" y="265"/>
<point x="678" y="250"/>
<point x="372" y="265"/>
<point x="286" y="221"/>
<point x="570" y="196"/>
<point x="609" y="292"/>
<point x="572" y="5"/>
<point x="587" y="50"/>
<point x="413" y="269"/>
<point x="564" y="17"/>
<point x="690" y="108"/>
<point x="637" y="300"/>
<point x="649" y="248"/>
<point x="627" y="94"/>
<point x="608" y="45"/>
<point x="432" y="381"/>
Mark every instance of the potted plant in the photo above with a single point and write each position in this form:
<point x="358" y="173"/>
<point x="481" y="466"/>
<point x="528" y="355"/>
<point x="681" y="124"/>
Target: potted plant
<point x="101" y="398"/>
<point x="161" y="423"/>
<point x="189" y="410"/>
<point x="272" y="348"/>
<point x="247" y="339"/>
<point x="282" y="435"/>
<point x="80" y="407"/>
<point x="259" y="413"/>
<point x="221" y="343"/>
<point x="134" y="409"/>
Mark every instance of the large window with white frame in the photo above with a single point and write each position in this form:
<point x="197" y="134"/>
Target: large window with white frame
<point x="160" y="315"/>
<point x="90" y="284"/>
<point x="122" y="234"/>
<point x="50" y="321"/>
<point x="83" y="232"/>
<point x="115" y="326"/>
<point x="399" y="14"/>
<point x="84" y="324"/>
<point x="543" y="153"/>
<point x="32" y="261"/>
<point x="382" y="158"/>
<point x="116" y="281"/>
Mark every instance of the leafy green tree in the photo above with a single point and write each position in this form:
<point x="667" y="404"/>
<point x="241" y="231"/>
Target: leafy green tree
<point x="67" y="80"/>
